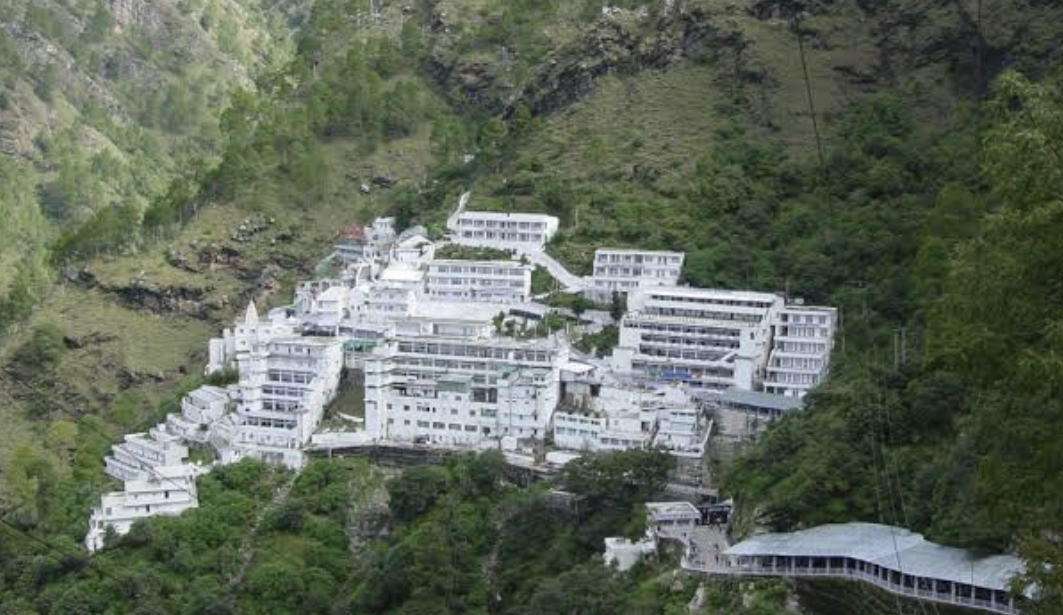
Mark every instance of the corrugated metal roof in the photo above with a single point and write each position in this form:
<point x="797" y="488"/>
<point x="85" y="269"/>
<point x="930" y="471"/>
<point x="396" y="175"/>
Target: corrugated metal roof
<point x="761" y="400"/>
<point x="891" y="547"/>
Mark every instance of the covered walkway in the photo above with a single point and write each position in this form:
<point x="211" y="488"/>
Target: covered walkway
<point x="890" y="558"/>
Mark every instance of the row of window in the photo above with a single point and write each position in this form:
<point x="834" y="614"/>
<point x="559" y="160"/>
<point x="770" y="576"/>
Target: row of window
<point x="482" y="223"/>
<point x="749" y="303"/>
<point x="282" y="391"/>
<point x="676" y="353"/>
<point x="802" y="347"/>
<point x="572" y="431"/>
<point x="486" y="352"/>
<point x="443" y="426"/>
<point x="811" y="319"/>
<point x="275" y="405"/>
<point x="504" y="236"/>
<point x="475" y="282"/>
<point x="792" y="378"/>
<point x="635" y="272"/>
<point x="493" y="271"/>
<point x="695" y="372"/>
<point x="272" y="423"/>
<point x="686" y="341"/>
<point x="682" y="329"/>
<point x="811" y="332"/>
<point x="277" y="375"/>
<point x="797" y="363"/>
<point x="706" y="314"/>
<point x="607" y="257"/>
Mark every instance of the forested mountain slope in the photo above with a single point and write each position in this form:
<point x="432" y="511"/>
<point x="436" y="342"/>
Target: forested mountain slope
<point x="104" y="102"/>
<point x="920" y="202"/>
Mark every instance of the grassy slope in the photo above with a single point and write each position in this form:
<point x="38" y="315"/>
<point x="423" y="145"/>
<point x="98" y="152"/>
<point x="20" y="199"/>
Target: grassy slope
<point x="205" y="48"/>
<point x="659" y="118"/>
<point x="156" y="348"/>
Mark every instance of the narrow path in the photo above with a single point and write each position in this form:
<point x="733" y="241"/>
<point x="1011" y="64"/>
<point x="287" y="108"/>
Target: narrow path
<point x="247" y="546"/>
<point x="572" y="283"/>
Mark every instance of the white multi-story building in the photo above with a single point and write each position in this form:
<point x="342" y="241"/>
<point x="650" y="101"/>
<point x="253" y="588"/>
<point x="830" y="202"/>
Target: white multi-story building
<point x="369" y="243"/>
<point x="247" y="331"/>
<point x="705" y="338"/>
<point x="503" y="231"/>
<point x="353" y="246"/>
<point x="383" y="302"/>
<point x="199" y="409"/>
<point x="165" y="490"/>
<point x="450" y="380"/>
<point x="491" y="281"/>
<point x="802" y="339"/>
<point x="598" y="431"/>
<point x="285" y="384"/>
<point x="682" y="430"/>
<point x="413" y="247"/>
<point x="620" y="416"/>
<point x="622" y="271"/>
<point x="323" y="305"/>
<point x="142" y="452"/>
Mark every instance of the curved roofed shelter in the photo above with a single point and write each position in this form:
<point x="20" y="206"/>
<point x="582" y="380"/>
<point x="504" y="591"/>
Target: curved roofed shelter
<point x="894" y="559"/>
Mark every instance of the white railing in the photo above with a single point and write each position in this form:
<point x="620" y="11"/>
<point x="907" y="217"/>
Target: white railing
<point x="860" y="575"/>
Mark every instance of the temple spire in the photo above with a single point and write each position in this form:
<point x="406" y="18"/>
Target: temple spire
<point x="251" y="315"/>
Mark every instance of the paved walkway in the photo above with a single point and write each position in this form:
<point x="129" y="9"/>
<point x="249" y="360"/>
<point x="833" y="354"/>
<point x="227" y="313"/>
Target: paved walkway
<point x="705" y="547"/>
<point x="572" y="283"/>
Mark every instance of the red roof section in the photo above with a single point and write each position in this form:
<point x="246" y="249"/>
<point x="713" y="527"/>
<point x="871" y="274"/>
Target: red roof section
<point x="353" y="232"/>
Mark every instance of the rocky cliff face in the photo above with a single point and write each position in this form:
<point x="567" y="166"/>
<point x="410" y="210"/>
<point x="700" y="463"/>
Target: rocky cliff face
<point x="102" y="101"/>
<point x="937" y="50"/>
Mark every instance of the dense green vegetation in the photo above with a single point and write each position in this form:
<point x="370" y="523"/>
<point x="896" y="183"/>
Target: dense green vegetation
<point x="99" y="111"/>
<point x="939" y="241"/>
<point x="959" y="435"/>
<point x="458" y="539"/>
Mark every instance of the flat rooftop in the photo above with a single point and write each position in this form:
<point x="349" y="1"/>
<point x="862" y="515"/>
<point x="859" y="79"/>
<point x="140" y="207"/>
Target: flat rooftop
<point x="209" y="391"/>
<point x="456" y="262"/>
<point x="690" y="291"/>
<point x="333" y="293"/>
<point x="500" y="215"/>
<point x="761" y="400"/>
<point x="456" y="311"/>
<point x="401" y="272"/>
<point x="637" y="251"/>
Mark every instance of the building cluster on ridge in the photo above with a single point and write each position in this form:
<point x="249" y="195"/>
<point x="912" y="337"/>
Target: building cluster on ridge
<point x="449" y="359"/>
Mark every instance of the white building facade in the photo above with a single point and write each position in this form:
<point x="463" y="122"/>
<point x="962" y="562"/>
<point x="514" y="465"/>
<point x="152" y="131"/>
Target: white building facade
<point x="454" y="382"/>
<point x="200" y="408"/>
<point x="617" y="270"/>
<point x="466" y="280"/>
<point x="165" y="490"/>
<point x="504" y="231"/>
<point x="134" y="458"/>
<point x="599" y="431"/>
<point x="705" y="338"/>
<point x="285" y="384"/>
<point x="802" y="339"/>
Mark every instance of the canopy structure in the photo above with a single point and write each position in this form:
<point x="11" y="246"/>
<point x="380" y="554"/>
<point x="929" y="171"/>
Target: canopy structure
<point x="893" y="558"/>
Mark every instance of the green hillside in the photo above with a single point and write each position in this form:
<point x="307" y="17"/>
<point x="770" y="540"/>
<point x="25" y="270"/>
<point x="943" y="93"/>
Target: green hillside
<point x="921" y="200"/>
<point x="103" y="103"/>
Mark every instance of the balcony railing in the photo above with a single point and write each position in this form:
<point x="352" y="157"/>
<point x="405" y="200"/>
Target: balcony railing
<point x="858" y="575"/>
